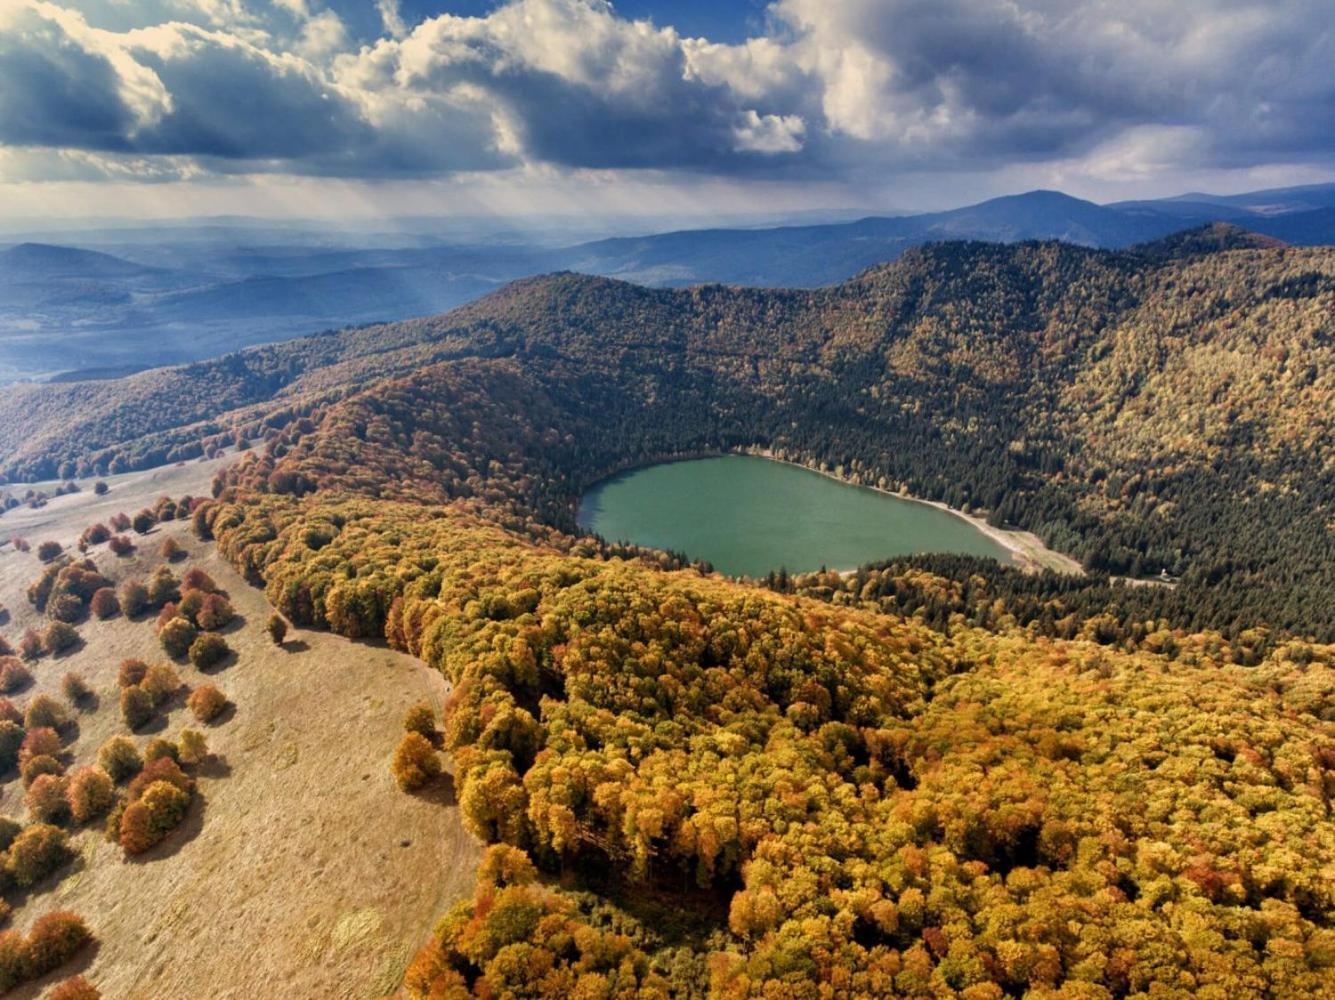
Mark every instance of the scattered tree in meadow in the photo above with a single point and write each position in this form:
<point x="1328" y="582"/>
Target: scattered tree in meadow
<point x="160" y="682"/>
<point x="214" y="613"/>
<point x="131" y="672"/>
<point x="163" y="587"/>
<point x="94" y="534"/>
<point x="192" y="747"/>
<point x="104" y="604"/>
<point x="208" y="650"/>
<point x="120" y="758"/>
<point x="136" y="707"/>
<point x="13" y="960"/>
<point x="101" y="488"/>
<point x="120" y="545"/>
<point x="159" y="748"/>
<point x="39" y="741"/>
<point x="44" y="711"/>
<point x="46" y="798"/>
<point x="197" y="579"/>
<point x="65" y="608"/>
<point x="11" y="738"/>
<point x="143" y="522"/>
<point x="30" y="646"/>
<point x="76" y="690"/>
<point x="46" y="551"/>
<point x="77" y="988"/>
<point x="155" y="813"/>
<point x="415" y="762"/>
<point x="170" y="549"/>
<point x="91" y="793"/>
<point x="9" y="712"/>
<point x="59" y="637"/>
<point x="206" y="702"/>
<point x="54" y="939"/>
<point x="277" y="628"/>
<point x="14" y="676"/>
<point x="36" y="852"/>
<point x="38" y="766"/>
<point x="134" y="598"/>
<point x="176" y="637"/>
<point x="166" y="613"/>
<point x="420" y="719"/>
<point x="162" y="769"/>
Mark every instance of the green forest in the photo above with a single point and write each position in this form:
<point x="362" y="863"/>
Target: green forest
<point x="934" y="777"/>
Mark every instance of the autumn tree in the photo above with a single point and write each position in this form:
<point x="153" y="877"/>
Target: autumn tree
<point x="104" y="604"/>
<point x="277" y="628"/>
<point x="192" y="747"/>
<point x="14" y="676"/>
<point x="44" y="711"/>
<point x="59" y="637"/>
<point x="54" y="939"/>
<point x="176" y="637"/>
<point x="136" y="706"/>
<point x="90" y="794"/>
<point x="35" y="853"/>
<point x="415" y="762"/>
<point x="420" y="719"/>
<point x="75" y="689"/>
<point x="133" y="598"/>
<point x="131" y="672"/>
<point x="120" y="758"/>
<point x="46" y="798"/>
<point x="206" y="702"/>
<point x="76" y="988"/>
<point x="208" y="650"/>
<point x="153" y="815"/>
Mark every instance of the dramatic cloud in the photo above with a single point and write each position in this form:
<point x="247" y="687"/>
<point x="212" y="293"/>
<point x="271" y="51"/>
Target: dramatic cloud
<point x="857" y="86"/>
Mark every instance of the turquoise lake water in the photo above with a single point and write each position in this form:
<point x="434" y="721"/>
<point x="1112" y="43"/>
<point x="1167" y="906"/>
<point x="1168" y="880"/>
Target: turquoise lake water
<point x="749" y="515"/>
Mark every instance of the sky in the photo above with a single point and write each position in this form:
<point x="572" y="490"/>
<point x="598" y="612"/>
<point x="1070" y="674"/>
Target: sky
<point x="359" y="108"/>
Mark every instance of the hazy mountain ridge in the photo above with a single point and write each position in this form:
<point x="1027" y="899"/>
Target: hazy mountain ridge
<point x="61" y="307"/>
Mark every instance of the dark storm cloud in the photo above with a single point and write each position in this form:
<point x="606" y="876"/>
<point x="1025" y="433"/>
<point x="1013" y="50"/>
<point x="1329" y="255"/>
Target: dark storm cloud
<point x="858" y="85"/>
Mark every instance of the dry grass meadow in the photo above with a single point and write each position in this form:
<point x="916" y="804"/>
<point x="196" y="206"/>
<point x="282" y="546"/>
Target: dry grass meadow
<point x="301" y="870"/>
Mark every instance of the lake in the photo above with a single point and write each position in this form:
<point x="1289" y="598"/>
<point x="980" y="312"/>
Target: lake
<point x="749" y="515"/>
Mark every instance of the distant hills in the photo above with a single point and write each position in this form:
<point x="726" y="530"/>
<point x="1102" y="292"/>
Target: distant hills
<point x="66" y="308"/>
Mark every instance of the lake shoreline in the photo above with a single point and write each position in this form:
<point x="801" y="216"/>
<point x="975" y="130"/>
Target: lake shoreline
<point x="1027" y="550"/>
<point x="1031" y="555"/>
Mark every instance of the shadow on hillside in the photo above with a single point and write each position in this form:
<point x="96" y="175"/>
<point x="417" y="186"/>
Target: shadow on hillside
<point x="74" y="647"/>
<point x="439" y="792"/>
<point x="222" y="718"/>
<point x="237" y="623"/>
<point x="296" y="646"/>
<point x="230" y="660"/>
<point x="88" y="703"/>
<point x="214" y="766"/>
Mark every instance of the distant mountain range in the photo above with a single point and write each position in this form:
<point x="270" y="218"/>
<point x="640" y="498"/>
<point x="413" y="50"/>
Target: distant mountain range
<point x="88" y="313"/>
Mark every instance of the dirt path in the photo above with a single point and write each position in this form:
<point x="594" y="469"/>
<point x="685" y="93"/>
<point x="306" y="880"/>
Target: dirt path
<point x="302" y="871"/>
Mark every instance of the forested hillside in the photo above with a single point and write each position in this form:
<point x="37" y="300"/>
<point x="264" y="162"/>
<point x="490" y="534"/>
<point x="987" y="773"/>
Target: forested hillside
<point x="935" y="777"/>
<point x="1167" y="409"/>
